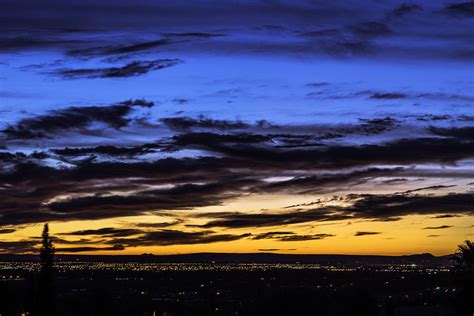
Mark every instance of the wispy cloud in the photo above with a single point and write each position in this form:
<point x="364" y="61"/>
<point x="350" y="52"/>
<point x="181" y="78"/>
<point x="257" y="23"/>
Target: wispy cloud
<point x="133" y="69"/>
<point x="358" y="234"/>
<point x="438" y="227"/>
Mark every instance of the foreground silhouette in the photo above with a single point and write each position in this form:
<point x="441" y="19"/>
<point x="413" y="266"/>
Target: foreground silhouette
<point x="44" y="292"/>
<point x="464" y="257"/>
<point x="464" y="277"/>
<point x="148" y="286"/>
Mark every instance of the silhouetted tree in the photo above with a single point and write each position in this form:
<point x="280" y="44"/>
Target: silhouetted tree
<point x="464" y="277"/>
<point x="46" y="252"/>
<point x="45" y="296"/>
<point x="464" y="257"/>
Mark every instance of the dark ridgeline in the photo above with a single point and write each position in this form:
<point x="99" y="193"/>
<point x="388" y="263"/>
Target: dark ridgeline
<point x="44" y="292"/>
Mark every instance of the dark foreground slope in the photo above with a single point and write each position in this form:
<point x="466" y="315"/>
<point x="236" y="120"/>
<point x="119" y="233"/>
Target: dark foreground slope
<point x="239" y="285"/>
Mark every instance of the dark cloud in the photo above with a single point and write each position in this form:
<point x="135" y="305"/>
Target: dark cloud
<point x="31" y="246"/>
<point x="403" y="151"/>
<point x="133" y="69"/>
<point x="59" y="121"/>
<point x="187" y="123"/>
<point x="326" y="182"/>
<point x="371" y="29"/>
<point x="455" y="132"/>
<point x="89" y="249"/>
<point x="270" y="235"/>
<point x="112" y="50"/>
<point x="383" y="206"/>
<point x="236" y="164"/>
<point x="345" y="29"/>
<point x="374" y="126"/>
<point x="106" y="232"/>
<point x="7" y="230"/>
<point x="396" y="181"/>
<point x="186" y="196"/>
<point x="162" y="171"/>
<point x="12" y="44"/>
<point x="377" y="207"/>
<point x="181" y="101"/>
<point x="443" y="96"/>
<point x="431" y="117"/>
<point x="305" y="237"/>
<point x="138" y="102"/>
<point x="282" y="136"/>
<point x="346" y="48"/>
<point x="322" y="33"/>
<point x="39" y="155"/>
<point x="446" y="216"/>
<point x="176" y="237"/>
<point x="195" y="35"/>
<point x="438" y="227"/>
<point x="140" y="47"/>
<point x="358" y="234"/>
<point x="405" y="9"/>
<point x="19" y="246"/>
<point x="462" y="8"/>
<point x="45" y="182"/>
<point x="432" y="187"/>
<point x="388" y="95"/>
<point x="57" y="240"/>
<point x="107" y="150"/>
<point x="277" y="249"/>
<point x="12" y="157"/>
<point x="159" y="225"/>
<point x="30" y="186"/>
<point x="316" y="84"/>
<point x="275" y="140"/>
<point x="392" y="95"/>
<point x="241" y="220"/>
<point x="119" y="239"/>
<point x="387" y="219"/>
<point x="210" y="140"/>
<point x="231" y="165"/>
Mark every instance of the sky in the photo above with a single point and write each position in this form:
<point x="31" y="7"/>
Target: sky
<point x="169" y="127"/>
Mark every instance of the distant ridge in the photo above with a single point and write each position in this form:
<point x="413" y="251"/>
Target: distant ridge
<point x="422" y="259"/>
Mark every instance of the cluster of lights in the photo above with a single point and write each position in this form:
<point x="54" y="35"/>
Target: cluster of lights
<point x="65" y="266"/>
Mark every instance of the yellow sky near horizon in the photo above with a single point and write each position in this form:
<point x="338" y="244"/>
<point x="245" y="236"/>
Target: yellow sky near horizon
<point x="411" y="234"/>
<point x="403" y="237"/>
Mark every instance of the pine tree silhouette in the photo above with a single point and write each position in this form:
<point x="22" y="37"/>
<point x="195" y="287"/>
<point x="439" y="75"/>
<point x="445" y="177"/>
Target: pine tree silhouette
<point x="46" y="252"/>
<point x="45" y="296"/>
